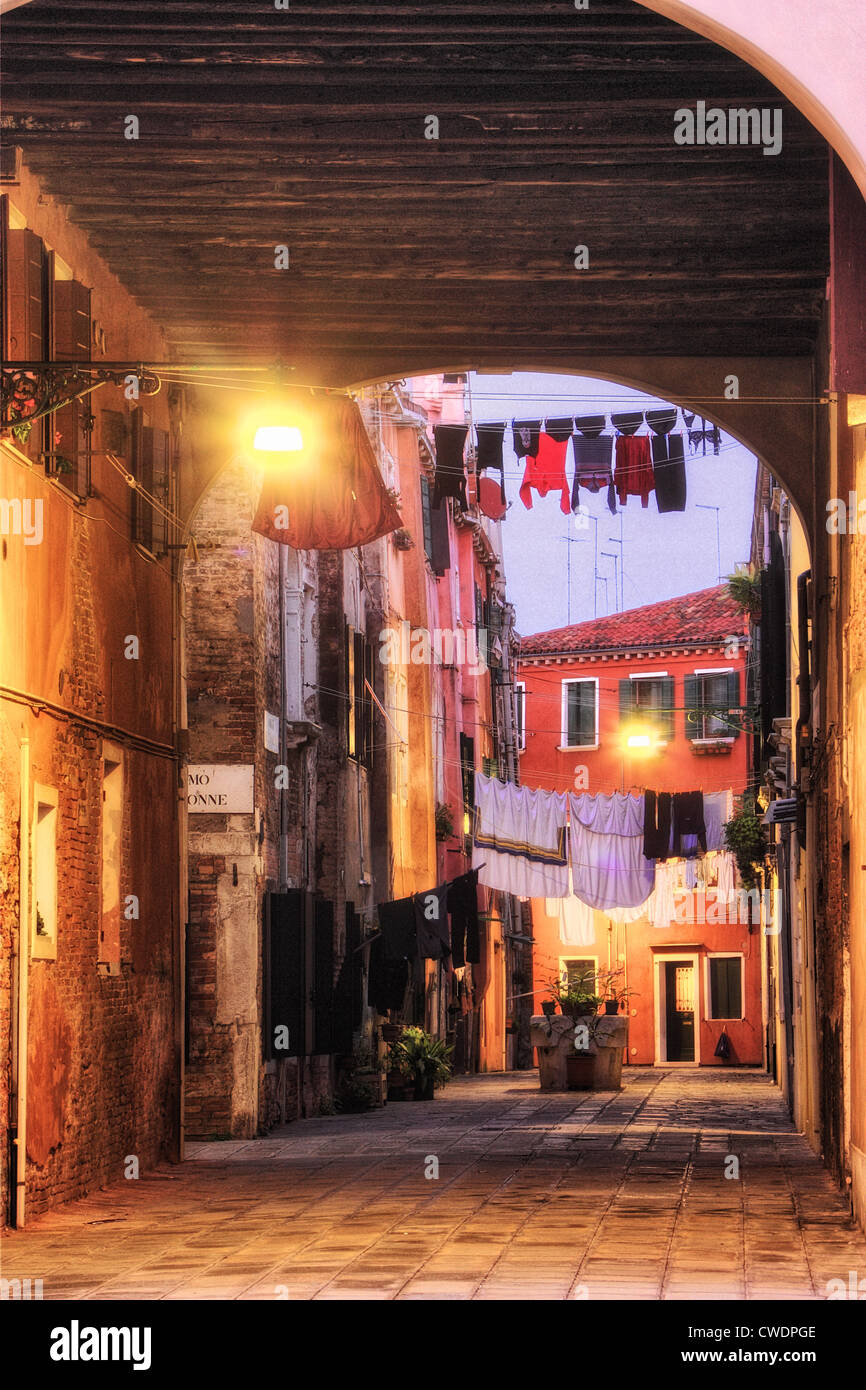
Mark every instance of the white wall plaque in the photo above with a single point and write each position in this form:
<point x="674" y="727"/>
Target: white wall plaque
<point x="220" y="787"/>
<point x="272" y="732"/>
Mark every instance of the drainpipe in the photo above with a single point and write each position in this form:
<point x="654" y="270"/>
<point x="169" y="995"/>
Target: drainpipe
<point x="23" y="964"/>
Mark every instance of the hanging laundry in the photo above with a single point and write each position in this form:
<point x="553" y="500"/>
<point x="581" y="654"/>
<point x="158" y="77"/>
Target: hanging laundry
<point x="463" y="906"/>
<point x="718" y="808"/>
<point x="607" y="861"/>
<point x="397" y="925"/>
<point x="431" y="923"/>
<point x="669" y="472"/>
<point x="625" y="915"/>
<point x="634" y="469"/>
<point x="330" y="496"/>
<point x="519" y="842"/>
<point x="546" y="472"/>
<point x="387" y="979"/>
<point x="593" y="468"/>
<point x="525" y="435"/>
<point x="657" y="825"/>
<point x="575" y="918"/>
<point x="627" y="422"/>
<point x="726" y="885"/>
<point x="688" y="819"/>
<point x="490" y="453"/>
<point x="450" y="480"/>
<point x="662" y="906"/>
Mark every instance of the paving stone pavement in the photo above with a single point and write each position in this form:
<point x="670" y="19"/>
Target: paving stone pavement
<point x="539" y="1196"/>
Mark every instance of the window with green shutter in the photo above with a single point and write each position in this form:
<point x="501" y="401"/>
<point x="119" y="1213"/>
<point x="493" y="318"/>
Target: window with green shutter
<point x="579" y="713"/>
<point x="710" y="691"/>
<point x="650" y="700"/>
<point x="726" y="987"/>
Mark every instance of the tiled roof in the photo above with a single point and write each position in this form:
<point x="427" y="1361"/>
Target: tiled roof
<point x="701" y="618"/>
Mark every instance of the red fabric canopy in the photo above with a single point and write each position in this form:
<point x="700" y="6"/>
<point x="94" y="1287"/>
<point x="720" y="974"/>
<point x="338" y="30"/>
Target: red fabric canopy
<point x="330" y="495"/>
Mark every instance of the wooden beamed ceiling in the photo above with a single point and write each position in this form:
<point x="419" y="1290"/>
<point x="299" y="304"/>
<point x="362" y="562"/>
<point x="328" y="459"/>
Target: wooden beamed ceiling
<point x="261" y="127"/>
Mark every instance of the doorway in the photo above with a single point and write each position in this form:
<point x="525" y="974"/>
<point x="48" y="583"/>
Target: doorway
<point x="676" y="1011"/>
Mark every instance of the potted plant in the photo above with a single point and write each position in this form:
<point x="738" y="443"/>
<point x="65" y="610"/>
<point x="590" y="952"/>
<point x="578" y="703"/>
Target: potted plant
<point x="391" y="1032"/>
<point x="614" y="995"/>
<point x="427" y="1059"/>
<point x="744" y="588"/>
<point x="548" y="1007"/>
<point x="576" y="998"/>
<point x="401" y="1083"/>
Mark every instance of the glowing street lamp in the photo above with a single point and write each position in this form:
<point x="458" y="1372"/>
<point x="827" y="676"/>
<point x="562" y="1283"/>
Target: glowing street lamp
<point x="278" y="439"/>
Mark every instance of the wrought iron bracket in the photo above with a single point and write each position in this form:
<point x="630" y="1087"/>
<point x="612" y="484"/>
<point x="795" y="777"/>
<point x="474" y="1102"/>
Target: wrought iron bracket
<point x="31" y="390"/>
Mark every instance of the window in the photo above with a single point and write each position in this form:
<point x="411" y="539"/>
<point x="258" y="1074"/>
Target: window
<point x="426" y="518"/>
<point x="725" y="987"/>
<point x="69" y="428"/>
<point x="25" y="321"/>
<point x="112" y="848"/>
<point x="719" y="689"/>
<point x="467" y="773"/>
<point x="359" y="705"/>
<point x="580" y="714"/>
<point x="520" y="713"/>
<point x="44" y="908"/>
<point x="150" y="468"/>
<point x="579" y="972"/>
<point x="648" y="700"/>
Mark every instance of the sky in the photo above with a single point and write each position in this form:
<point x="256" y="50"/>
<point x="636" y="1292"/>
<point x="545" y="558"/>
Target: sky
<point x="665" y="555"/>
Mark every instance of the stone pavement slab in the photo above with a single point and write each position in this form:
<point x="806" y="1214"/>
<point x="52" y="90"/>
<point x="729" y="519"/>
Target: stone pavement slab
<point x="539" y="1196"/>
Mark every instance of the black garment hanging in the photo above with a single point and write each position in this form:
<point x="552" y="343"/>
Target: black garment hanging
<point x="463" y="906"/>
<point x="669" y="469"/>
<point x="526" y="434"/>
<point x="387" y="979"/>
<point x="688" y="819"/>
<point x="657" y="825"/>
<point x="397" y="925"/>
<point x="561" y="429"/>
<point x="627" y="422"/>
<point x="662" y="421"/>
<point x="450" y="480"/>
<point x="431" y="923"/>
<point x="590" y="426"/>
<point x="490" y="453"/>
<point x="593" y="468"/>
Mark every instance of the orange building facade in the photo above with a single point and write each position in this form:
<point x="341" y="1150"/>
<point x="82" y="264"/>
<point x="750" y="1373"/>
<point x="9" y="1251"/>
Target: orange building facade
<point x="655" y="698"/>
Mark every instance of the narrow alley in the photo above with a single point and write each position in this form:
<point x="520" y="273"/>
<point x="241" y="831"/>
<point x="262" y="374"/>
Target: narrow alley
<point x="538" y="1196"/>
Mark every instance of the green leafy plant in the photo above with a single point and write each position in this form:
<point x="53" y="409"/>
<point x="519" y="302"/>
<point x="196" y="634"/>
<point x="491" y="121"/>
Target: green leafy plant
<point x="576" y="996"/>
<point x="746" y="838"/>
<point x="744" y="588"/>
<point x="444" y="821"/>
<point x="609" y="983"/>
<point x="354" y="1096"/>
<point x="422" y="1056"/>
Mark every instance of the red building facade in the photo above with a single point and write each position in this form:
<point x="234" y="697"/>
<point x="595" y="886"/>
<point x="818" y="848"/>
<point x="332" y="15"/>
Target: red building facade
<point x="652" y="699"/>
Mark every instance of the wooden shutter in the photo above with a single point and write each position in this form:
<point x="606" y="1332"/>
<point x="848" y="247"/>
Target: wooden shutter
<point x="691" y="700"/>
<point x="351" y="713"/>
<point x="25" y="317"/>
<point x="71" y="322"/>
<point x="733" y="703"/>
<point x="626" y="700"/>
<point x="323" y="976"/>
<point x="347" y="994"/>
<point x="69" y="455"/>
<point x="666" y="713"/>
<point x="142" y="469"/>
<point x="426" y="520"/>
<point x="161" y="477"/>
<point x="284" y="964"/>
